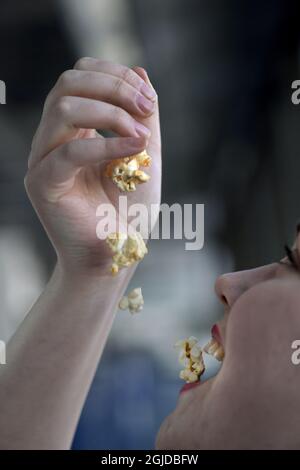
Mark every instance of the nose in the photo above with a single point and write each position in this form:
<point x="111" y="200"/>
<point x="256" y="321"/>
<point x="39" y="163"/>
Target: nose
<point x="229" y="287"/>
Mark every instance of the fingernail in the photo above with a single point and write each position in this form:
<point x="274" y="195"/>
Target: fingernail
<point x="148" y="92"/>
<point x="144" y="104"/>
<point x="142" y="130"/>
<point x="135" y="142"/>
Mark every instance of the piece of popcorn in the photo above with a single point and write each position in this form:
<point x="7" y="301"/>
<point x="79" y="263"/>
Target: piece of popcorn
<point x="124" y="303"/>
<point x="125" y="172"/>
<point x="184" y="343"/>
<point x="186" y="362"/>
<point x="134" y="301"/>
<point x="197" y="367"/>
<point x="127" y="249"/>
<point x="196" y="352"/>
<point x="189" y="376"/>
<point x="190" y="357"/>
<point x="215" y="349"/>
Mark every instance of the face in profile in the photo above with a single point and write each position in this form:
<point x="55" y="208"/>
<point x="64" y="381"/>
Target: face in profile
<point x="253" y="401"/>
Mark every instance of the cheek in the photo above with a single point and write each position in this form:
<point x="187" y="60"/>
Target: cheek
<point x="173" y="433"/>
<point x="163" y="437"/>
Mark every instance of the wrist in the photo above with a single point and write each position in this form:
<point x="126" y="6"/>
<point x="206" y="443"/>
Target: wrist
<point x="92" y="278"/>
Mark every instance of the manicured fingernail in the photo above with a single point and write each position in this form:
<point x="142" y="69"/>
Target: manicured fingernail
<point x="148" y="92"/>
<point x="142" y="130"/>
<point x="135" y="142"/>
<point x="144" y="104"/>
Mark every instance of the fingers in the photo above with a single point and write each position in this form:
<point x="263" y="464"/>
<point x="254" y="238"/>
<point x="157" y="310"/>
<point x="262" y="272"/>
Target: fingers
<point x="55" y="175"/>
<point x="71" y="113"/>
<point x="95" y="95"/>
<point x="101" y="86"/>
<point x="121" y="71"/>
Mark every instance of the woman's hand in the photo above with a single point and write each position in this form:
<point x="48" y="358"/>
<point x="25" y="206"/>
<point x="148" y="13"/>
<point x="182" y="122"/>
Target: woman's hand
<point x="65" y="179"/>
<point x="67" y="328"/>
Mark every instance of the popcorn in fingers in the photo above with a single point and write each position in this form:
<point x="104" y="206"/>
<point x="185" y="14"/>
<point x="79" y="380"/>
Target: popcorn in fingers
<point x="126" y="173"/>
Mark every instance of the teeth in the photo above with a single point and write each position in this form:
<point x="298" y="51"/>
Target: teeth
<point x="215" y="349"/>
<point x="190" y="357"/>
<point x="126" y="173"/>
<point x="127" y="249"/>
<point x="134" y="301"/>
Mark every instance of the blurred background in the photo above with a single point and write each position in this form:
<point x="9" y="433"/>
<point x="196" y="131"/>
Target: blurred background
<point x="223" y="72"/>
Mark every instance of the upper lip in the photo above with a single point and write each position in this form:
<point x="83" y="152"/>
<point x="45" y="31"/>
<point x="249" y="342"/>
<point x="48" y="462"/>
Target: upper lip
<point x="215" y="333"/>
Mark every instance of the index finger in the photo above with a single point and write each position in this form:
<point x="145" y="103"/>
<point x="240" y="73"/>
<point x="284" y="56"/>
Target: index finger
<point x="117" y="70"/>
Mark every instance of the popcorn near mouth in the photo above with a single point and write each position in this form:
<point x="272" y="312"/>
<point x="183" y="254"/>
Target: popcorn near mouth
<point x="134" y="301"/>
<point x="190" y="356"/>
<point x="125" y="172"/>
<point x="127" y="249"/>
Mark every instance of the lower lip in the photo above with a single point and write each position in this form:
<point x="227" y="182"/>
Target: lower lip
<point x="187" y="387"/>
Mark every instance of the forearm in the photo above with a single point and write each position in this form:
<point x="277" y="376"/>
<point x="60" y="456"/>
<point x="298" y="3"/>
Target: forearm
<point x="52" y="358"/>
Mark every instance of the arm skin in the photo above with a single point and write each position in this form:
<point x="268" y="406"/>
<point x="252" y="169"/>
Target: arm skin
<point x="52" y="358"/>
